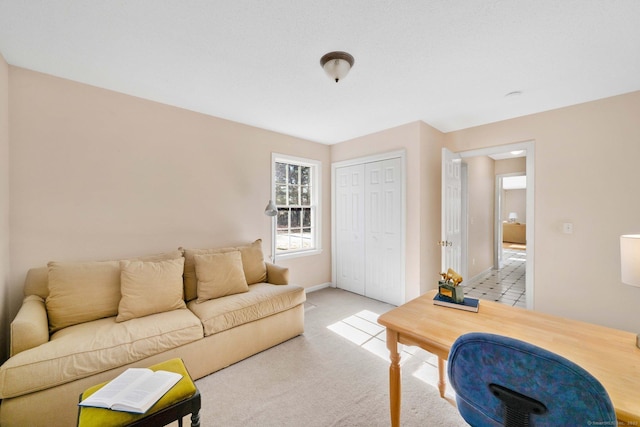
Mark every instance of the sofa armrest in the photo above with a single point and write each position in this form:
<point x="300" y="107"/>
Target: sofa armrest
<point x="30" y="328"/>
<point x="277" y="275"/>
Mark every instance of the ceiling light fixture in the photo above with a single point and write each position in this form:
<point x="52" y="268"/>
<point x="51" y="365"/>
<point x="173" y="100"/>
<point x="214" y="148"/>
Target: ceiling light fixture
<point x="336" y="64"/>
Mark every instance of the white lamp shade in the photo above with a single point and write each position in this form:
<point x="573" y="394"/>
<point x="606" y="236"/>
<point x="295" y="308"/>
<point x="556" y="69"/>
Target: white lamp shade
<point x="513" y="216"/>
<point x="271" y="209"/>
<point x="337" y="69"/>
<point x="337" y="64"/>
<point x="630" y="259"/>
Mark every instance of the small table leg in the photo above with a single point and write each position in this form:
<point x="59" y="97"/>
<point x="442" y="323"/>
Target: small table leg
<point x="394" y="378"/>
<point x="442" y="384"/>
<point x="195" y="419"/>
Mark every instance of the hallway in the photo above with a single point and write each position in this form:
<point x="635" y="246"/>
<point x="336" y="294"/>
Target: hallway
<point x="506" y="285"/>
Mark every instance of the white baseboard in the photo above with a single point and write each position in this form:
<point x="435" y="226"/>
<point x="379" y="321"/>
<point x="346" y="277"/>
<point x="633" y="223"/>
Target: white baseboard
<point x="318" y="287"/>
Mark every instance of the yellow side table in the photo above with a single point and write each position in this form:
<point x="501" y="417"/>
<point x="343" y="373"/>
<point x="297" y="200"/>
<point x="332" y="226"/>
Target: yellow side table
<point x="179" y="401"/>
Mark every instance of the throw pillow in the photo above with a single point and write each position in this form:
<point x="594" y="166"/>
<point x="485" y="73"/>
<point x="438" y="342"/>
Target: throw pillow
<point x="219" y="274"/>
<point x="78" y="292"/>
<point x="253" y="262"/>
<point x="81" y="292"/>
<point x="254" y="267"/>
<point x="150" y="287"/>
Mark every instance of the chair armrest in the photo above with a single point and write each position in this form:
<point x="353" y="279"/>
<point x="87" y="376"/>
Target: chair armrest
<point x="30" y="328"/>
<point x="277" y="275"/>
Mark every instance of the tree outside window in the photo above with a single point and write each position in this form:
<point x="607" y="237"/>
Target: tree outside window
<point x="295" y="200"/>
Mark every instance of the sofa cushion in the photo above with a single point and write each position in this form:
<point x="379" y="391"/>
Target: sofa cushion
<point x="150" y="287"/>
<point x="85" y="291"/>
<point x="219" y="275"/>
<point x="262" y="300"/>
<point x="36" y="282"/>
<point x="89" y="348"/>
<point x="255" y="270"/>
<point x="82" y="292"/>
<point x="253" y="262"/>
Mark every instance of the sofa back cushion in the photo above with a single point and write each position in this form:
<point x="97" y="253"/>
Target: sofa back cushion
<point x="219" y="275"/>
<point x="150" y="287"/>
<point x="81" y="292"/>
<point x="253" y="265"/>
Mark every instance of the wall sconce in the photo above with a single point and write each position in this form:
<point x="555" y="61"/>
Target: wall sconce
<point x="630" y="263"/>
<point x="272" y="211"/>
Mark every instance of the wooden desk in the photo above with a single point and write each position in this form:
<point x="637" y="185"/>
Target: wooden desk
<point x="608" y="354"/>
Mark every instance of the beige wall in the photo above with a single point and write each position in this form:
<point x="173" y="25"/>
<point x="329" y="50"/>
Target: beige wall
<point x="423" y="145"/>
<point x="481" y="191"/>
<point x="514" y="201"/>
<point x="506" y="166"/>
<point x="96" y="175"/>
<point x="100" y="175"/>
<point x="586" y="173"/>
<point x="4" y="206"/>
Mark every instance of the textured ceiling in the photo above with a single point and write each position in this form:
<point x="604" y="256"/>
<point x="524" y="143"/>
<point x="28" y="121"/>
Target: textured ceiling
<point x="449" y="63"/>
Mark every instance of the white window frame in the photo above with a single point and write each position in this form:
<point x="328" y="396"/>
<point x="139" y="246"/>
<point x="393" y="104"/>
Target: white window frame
<point x="316" y="208"/>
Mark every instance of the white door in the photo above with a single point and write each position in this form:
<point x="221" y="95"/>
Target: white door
<point x="451" y="211"/>
<point x="350" y="239"/>
<point x="383" y="230"/>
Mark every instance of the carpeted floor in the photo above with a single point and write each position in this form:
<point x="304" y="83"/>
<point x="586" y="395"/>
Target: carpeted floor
<point x="322" y="378"/>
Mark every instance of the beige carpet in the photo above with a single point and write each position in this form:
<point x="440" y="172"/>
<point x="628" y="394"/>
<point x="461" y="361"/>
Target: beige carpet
<point x="320" y="379"/>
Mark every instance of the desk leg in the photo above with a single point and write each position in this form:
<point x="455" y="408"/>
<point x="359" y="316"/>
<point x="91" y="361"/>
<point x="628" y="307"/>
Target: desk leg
<point x="442" y="384"/>
<point x="394" y="378"/>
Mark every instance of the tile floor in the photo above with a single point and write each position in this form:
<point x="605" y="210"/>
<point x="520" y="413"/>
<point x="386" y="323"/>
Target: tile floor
<point x="506" y="285"/>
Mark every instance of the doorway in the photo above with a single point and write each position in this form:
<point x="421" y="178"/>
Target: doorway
<point x="519" y="260"/>
<point x="510" y="217"/>
<point x="505" y="282"/>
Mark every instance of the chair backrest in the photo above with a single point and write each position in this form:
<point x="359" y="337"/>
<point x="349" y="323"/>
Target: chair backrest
<point x="490" y="372"/>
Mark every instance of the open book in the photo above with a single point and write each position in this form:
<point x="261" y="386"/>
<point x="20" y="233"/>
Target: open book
<point x="134" y="390"/>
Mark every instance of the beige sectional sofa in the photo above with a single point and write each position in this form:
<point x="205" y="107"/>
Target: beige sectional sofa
<point x="83" y="323"/>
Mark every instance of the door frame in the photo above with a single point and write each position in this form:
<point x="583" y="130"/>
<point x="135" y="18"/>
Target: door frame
<point x="529" y="147"/>
<point x="401" y="154"/>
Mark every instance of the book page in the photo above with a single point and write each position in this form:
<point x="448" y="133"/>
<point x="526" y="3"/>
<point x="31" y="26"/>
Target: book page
<point x="142" y="395"/>
<point x="105" y="397"/>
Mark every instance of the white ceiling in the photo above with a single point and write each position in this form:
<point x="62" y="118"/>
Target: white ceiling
<point x="449" y="63"/>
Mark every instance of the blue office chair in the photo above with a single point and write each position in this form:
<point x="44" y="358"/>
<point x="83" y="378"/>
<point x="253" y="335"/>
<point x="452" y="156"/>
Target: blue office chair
<point x="501" y="381"/>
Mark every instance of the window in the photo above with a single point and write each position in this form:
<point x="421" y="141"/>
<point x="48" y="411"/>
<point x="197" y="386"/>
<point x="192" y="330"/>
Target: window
<point x="296" y="185"/>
